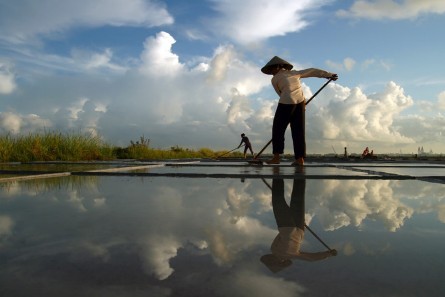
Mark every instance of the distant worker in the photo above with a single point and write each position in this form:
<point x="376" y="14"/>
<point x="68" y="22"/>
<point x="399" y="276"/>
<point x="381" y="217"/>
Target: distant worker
<point x="247" y="145"/>
<point x="291" y="106"/>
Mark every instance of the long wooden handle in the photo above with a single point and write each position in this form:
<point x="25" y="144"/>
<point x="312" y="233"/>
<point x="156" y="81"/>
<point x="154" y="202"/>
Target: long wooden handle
<point x="316" y="93"/>
<point x="262" y="150"/>
<point x="316" y="236"/>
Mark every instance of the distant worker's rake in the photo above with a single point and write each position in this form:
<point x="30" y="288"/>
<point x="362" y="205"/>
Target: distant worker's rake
<point x="226" y="153"/>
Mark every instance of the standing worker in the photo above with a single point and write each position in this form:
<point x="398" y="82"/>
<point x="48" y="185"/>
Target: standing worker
<point x="247" y="145"/>
<point x="291" y="106"/>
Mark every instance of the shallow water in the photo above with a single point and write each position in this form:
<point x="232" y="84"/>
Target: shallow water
<point x="170" y="236"/>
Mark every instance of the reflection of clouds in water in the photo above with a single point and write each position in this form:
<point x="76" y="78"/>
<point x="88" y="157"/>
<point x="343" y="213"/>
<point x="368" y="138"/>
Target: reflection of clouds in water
<point x="76" y="200"/>
<point x="376" y="250"/>
<point x="156" y="220"/>
<point x="441" y="213"/>
<point x="147" y="221"/>
<point x="229" y="238"/>
<point x="264" y="201"/>
<point x="159" y="244"/>
<point x="252" y="283"/>
<point x="6" y="225"/>
<point x="202" y="215"/>
<point x="158" y="251"/>
<point x="342" y="203"/>
<point x="348" y="249"/>
<point x="260" y="194"/>
<point x="219" y="247"/>
<point x="220" y="223"/>
<point x="14" y="188"/>
<point x="426" y="197"/>
<point x="95" y="250"/>
<point x="9" y="189"/>
<point x="239" y="203"/>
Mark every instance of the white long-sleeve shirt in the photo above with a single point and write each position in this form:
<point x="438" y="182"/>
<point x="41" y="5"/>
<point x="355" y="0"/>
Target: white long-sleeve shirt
<point x="287" y="83"/>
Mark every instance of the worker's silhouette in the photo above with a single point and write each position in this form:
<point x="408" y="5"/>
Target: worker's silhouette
<point x="291" y="226"/>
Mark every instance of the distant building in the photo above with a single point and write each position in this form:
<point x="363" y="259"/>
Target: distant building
<point x="421" y="151"/>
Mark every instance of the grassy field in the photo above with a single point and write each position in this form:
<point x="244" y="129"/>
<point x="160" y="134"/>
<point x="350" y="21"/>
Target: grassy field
<point x="50" y="146"/>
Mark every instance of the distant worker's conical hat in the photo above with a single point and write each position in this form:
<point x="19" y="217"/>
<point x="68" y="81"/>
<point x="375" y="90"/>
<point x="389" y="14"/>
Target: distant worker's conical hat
<point x="274" y="62"/>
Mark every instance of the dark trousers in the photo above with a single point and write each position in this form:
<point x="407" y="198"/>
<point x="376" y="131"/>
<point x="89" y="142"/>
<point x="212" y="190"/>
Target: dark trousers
<point x="289" y="215"/>
<point x="293" y="114"/>
<point x="248" y="147"/>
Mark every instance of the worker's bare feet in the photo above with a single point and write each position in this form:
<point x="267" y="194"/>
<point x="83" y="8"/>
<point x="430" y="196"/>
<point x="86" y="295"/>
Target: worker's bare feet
<point x="274" y="160"/>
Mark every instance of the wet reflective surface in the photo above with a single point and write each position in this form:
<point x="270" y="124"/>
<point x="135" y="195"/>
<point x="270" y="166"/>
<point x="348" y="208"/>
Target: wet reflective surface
<point x="168" y="236"/>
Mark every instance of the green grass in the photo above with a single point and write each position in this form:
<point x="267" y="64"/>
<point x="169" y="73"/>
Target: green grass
<point x="143" y="152"/>
<point x="52" y="146"/>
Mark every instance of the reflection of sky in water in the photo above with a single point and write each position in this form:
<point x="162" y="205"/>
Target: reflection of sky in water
<point x="56" y="167"/>
<point x="255" y="169"/>
<point x="412" y="171"/>
<point x="145" y="236"/>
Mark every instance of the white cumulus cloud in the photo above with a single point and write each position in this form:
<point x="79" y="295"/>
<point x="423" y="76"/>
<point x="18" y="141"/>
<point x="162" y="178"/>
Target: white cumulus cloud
<point x="158" y="58"/>
<point x="6" y="224"/>
<point x="356" y="116"/>
<point x="256" y="20"/>
<point x="11" y="122"/>
<point x="199" y="102"/>
<point x="96" y="60"/>
<point x="347" y="64"/>
<point x="7" y="79"/>
<point x="391" y="9"/>
<point x="441" y="100"/>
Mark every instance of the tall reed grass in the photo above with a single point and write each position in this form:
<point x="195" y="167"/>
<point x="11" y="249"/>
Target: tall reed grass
<point x="143" y="152"/>
<point x="51" y="146"/>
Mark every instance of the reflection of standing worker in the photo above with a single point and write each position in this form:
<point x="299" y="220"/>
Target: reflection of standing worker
<point x="247" y="145"/>
<point x="291" y="106"/>
<point x="291" y="226"/>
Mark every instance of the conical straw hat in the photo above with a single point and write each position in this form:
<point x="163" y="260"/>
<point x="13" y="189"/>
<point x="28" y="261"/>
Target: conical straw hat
<point x="274" y="62"/>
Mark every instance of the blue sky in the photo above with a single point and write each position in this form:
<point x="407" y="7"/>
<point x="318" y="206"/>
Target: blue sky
<point x="187" y="73"/>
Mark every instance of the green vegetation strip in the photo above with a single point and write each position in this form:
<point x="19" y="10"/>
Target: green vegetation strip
<point x="56" y="147"/>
